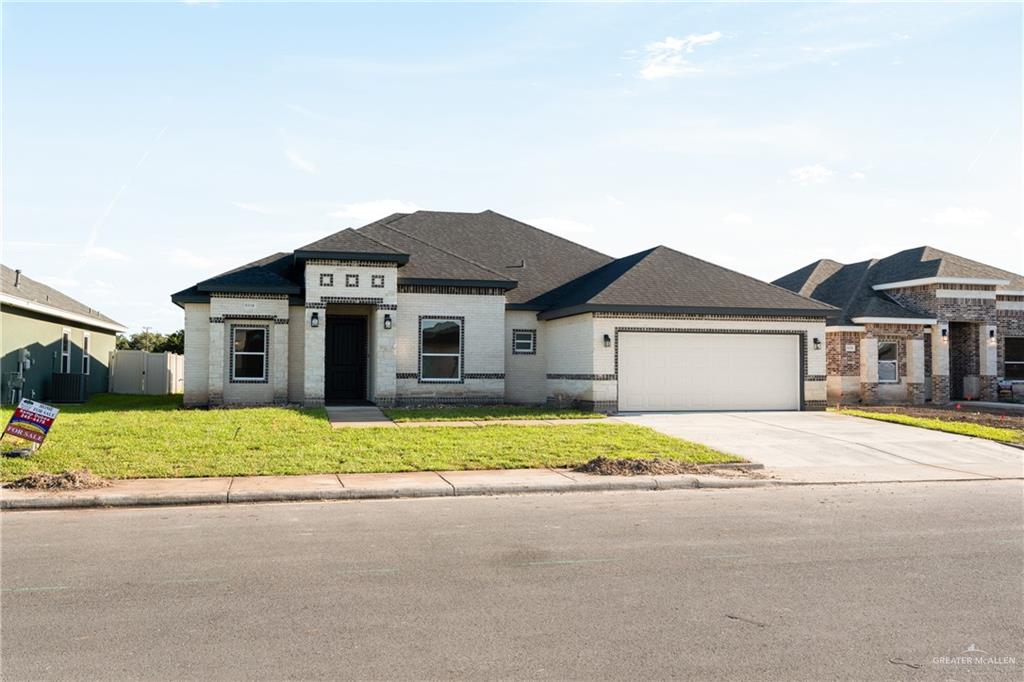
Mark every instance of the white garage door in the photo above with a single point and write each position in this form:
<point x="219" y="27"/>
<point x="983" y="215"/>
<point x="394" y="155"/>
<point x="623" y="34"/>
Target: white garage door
<point x="674" y="371"/>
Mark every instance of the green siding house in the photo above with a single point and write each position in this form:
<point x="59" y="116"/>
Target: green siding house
<point x="48" y="337"/>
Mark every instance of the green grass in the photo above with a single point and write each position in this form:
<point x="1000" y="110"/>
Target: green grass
<point x="963" y="428"/>
<point x="485" y="413"/>
<point x="145" y="437"/>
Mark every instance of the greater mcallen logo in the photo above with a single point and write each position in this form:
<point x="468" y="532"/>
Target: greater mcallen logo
<point x="972" y="655"/>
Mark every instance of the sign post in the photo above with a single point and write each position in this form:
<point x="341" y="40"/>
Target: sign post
<point x="31" y="421"/>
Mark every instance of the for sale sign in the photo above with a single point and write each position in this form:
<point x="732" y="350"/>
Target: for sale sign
<point x="31" y="421"/>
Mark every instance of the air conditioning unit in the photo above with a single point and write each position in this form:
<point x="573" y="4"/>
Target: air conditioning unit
<point x="67" y="388"/>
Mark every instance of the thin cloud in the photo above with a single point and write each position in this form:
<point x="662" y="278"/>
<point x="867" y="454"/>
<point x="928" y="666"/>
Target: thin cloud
<point x="857" y="175"/>
<point x="737" y="219"/>
<point x="811" y="175"/>
<point x="958" y="216"/>
<point x="664" y="59"/>
<point x="298" y="162"/>
<point x="368" y="211"/>
<point x="190" y="259"/>
<point x="102" y="253"/>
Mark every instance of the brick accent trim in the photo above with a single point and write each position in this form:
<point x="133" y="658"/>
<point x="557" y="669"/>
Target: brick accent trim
<point x="815" y="377"/>
<point x="582" y="377"/>
<point x="351" y="300"/>
<point x="462" y="349"/>
<point x="263" y="297"/>
<point x="327" y="279"/>
<point x="377" y="281"/>
<point x="483" y="375"/>
<point x="352" y="280"/>
<point x="352" y="263"/>
<point x="439" y="289"/>
<point x="239" y="316"/>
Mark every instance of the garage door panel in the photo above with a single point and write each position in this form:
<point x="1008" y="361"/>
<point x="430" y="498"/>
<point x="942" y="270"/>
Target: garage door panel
<point x="693" y="371"/>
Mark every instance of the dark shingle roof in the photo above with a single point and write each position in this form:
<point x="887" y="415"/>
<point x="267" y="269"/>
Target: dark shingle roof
<point x="429" y="262"/>
<point x="352" y="244"/>
<point x="502" y="244"/>
<point x="662" y="279"/>
<point x="30" y="290"/>
<point x="273" y="274"/>
<point x="849" y="287"/>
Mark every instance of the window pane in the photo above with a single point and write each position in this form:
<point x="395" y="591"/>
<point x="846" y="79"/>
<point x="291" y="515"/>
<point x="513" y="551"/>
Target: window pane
<point x="440" y="367"/>
<point x="887" y="371"/>
<point x="886" y="350"/>
<point x="1014" y="351"/>
<point x="65" y="343"/>
<point x="1014" y="371"/>
<point x="249" y="366"/>
<point x="440" y="336"/>
<point x="250" y="340"/>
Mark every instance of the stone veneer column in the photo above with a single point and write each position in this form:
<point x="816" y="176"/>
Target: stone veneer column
<point x="216" y="372"/>
<point x="869" y="370"/>
<point x="988" y="362"/>
<point x="915" y="371"/>
<point x="315" y="339"/>
<point x="279" y="367"/>
<point x="940" y="364"/>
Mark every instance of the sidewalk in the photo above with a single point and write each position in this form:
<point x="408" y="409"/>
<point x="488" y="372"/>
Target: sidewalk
<point x="186" y="491"/>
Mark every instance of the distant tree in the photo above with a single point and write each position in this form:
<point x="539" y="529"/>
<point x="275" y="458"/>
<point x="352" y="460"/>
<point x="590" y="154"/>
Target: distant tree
<point x="153" y="342"/>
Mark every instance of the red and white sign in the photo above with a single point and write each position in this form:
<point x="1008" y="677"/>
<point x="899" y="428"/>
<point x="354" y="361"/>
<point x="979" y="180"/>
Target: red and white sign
<point x="31" y="421"/>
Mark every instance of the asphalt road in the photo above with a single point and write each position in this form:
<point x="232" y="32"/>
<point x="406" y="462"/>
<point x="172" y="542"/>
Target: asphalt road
<point x="870" y="582"/>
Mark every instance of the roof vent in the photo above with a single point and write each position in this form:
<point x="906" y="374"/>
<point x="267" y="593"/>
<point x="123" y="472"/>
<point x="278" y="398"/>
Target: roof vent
<point x="17" y="277"/>
<point x="520" y="264"/>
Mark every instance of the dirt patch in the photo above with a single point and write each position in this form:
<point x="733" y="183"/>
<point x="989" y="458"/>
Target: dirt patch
<point x="65" y="480"/>
<point x="970" y="415"/>
<point x="604" y="466"/>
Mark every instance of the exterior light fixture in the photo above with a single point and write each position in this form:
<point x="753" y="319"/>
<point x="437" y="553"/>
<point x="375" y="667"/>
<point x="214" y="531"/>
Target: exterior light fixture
<point x="992" y="337"/>
<point x="387" y="321"/>
<point x="607" y="341"/>
<point x="314" y="320"/>
<point x="945" y="334"/>
<point x="817" y="343"/>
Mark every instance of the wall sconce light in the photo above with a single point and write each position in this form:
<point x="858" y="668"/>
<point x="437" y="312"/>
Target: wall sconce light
<point x="387" y="321"/>
<point x="607" y="341"/>
<point x="314" y="320"/>
<point x="817" y="343"/>
<point x="991" y="337"/>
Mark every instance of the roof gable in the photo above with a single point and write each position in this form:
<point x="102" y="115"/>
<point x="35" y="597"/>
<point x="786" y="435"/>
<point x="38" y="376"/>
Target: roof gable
<point x="352" y="244"/>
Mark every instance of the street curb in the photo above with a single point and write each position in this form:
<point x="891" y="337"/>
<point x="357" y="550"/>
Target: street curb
<point x="650" y="483"/>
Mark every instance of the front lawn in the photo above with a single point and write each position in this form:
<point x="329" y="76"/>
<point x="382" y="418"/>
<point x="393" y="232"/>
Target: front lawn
<point x="950" y="425"/>
<point x="485" y="413"/>
<point x="148" y="437"/>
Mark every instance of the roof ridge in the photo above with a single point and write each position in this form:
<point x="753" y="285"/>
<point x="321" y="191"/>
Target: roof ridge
<point x="552" y="234"/>
<point x="443" y="250"/>
<point x="372" y="239"/>
<point x="745" y="276"/>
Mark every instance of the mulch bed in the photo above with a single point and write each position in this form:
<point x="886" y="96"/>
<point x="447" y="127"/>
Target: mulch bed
<point x="65" y="480"/>
<point x="971" y="415"/>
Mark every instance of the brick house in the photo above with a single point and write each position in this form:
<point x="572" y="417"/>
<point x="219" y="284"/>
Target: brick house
<point x="438" y="307"/>
<point x="919" y="325"/>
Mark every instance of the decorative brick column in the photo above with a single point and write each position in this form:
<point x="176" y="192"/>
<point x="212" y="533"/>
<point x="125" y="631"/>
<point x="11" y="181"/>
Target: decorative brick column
<point x="216" y="372"/>
<point x="869" y="370"/>
<point x="384" y="362"/>
<point x="314" y="348"/>
<point x="279" y="360"/>
<point x="988" y="362"/>
<point x="915" y="370"/>
<point x="940" y="364"/>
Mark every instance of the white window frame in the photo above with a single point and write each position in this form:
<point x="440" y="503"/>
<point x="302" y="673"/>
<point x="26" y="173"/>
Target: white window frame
<point x="457" y="355"/>
<point x="895" y="365"/>
<point x="524" y="336"/>
<point x="1010" y="362"/>
<point x="235" y="353"/>
<point x="86" y="350"/>
<point x="65" y="351"/>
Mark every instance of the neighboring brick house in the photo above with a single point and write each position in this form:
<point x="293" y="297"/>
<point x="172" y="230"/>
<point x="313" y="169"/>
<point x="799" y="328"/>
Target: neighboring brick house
<point x="919" y="325"/>
<point x="437" y="307"/>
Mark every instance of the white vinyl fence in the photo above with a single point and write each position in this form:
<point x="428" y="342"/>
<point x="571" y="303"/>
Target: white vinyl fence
<point x="139" y="372"/>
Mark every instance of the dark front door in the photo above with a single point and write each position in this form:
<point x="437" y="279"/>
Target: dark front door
<point x="345" y="358"/>
<point x="963" y="357"/>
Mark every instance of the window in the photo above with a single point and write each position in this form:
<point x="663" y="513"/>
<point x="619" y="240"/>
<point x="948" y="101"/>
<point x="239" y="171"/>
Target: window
<point x="249" y="354"/>
<point x="1013" y="358"/>
<point x="351" y="280"/>
<point x="888" y="366"/>
<point x="65" y="352"/>
<point x="440" y="349"/>
<point x="86" y="360"/>
<point x="524" y="341"/>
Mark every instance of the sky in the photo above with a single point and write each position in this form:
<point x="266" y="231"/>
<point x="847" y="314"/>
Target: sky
<point x="149" y="146"/>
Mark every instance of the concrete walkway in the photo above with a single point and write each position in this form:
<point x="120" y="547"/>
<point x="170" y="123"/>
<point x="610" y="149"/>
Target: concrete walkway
<point x="827" y="447"/>
<point x="179" y="491"/>
<point x="357" y="417"/>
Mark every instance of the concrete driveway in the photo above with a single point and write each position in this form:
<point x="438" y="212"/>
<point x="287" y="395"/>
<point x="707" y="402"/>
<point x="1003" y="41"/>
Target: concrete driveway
<point x="822" y="446"/>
